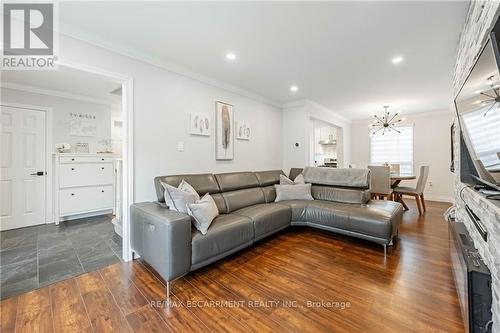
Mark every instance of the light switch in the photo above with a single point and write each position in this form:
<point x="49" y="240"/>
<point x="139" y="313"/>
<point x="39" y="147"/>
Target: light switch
<point x="180" y="146"/>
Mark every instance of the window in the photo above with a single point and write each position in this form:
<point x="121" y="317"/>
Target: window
<point x="484" y="135"/>
<point x="393" y="147"/>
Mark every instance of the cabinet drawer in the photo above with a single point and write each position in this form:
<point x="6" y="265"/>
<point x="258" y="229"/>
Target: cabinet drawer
<point x="85" y="159"/>
<point x="72" y="175"/>
<point x="76" y="200"/>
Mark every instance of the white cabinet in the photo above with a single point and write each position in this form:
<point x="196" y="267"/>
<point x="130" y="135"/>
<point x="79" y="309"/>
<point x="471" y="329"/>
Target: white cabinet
<point x="84" y="183"/>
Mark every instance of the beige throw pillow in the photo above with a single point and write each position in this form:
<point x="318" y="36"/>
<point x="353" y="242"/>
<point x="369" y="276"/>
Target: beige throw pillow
<point x="203" y="212"/>
<point x="293" y="192"/>
<point x="177" y="198"/>
<point x="284" y="180"/>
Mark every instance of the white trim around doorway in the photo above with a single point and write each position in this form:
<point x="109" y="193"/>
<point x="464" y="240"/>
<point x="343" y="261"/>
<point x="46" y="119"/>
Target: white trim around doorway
<point x="127" y="83"/>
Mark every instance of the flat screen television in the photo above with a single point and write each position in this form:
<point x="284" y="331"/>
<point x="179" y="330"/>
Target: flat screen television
<point x="478" y="110"/>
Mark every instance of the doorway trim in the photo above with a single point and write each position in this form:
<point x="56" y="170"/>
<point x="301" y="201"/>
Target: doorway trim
<point x="127" y="83"/>
<point x="340" y="140"/>
<point x="48" y="153"/>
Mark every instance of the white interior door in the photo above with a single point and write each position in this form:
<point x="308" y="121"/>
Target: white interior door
<point x="22" y="167"/>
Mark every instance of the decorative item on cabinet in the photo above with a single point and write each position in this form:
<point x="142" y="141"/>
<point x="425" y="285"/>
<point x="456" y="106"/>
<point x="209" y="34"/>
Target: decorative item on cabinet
<point x="81" y="148"/>
<point x="106" y="146"/>
<point x="63" y="147"/>
<point x="83" y="184"/>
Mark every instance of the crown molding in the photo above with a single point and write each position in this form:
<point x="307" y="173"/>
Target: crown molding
<point x="165" y="65"/>
<point x="295" y="104"/>
<point x="55" y="93"/>
<point x="308" y="102"/>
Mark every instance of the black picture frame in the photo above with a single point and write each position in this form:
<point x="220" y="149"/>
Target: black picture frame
<point x="452" y="141"/>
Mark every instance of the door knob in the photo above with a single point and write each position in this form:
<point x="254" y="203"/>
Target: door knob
<point x="38" y="173"/>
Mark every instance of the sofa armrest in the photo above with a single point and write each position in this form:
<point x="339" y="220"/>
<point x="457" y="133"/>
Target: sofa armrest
<point x="162" y="237"/>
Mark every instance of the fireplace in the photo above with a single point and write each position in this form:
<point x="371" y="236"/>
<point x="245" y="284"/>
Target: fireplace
<point x="472" y="280"/>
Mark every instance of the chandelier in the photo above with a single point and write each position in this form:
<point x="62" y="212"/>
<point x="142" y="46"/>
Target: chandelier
<point x="494" y="100"/>
<point x="386" y="122"/>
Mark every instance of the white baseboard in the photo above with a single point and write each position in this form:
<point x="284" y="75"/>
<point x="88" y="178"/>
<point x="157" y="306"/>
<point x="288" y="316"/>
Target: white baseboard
<point x="433" y="197"/>
<point x="80" y="216"/>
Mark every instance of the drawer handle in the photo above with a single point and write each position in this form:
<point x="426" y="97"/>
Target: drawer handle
<point x="151" y="227"/>
<point x="102" y="191"/>
<point x="102" y="168"/>
<point x="72" y="159"/>
<point x="102" y="159"/>
<point x="72" y="193"/>
<point x="72" y="169"/>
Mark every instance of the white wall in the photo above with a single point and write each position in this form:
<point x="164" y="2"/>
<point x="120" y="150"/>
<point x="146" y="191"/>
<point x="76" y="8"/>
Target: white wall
<point x="431" y="146"/>
<point x="61" y="108"/>
<point x="298" y="127"/>
<point x="162" y="103"/>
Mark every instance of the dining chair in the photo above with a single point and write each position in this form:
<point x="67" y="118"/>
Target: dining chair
<point x="417" y="192"/>
<point x="483" y="173"/>
<point x="380" y="181"/>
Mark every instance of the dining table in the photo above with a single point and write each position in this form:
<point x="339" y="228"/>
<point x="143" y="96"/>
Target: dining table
<point x="396" y="179"/>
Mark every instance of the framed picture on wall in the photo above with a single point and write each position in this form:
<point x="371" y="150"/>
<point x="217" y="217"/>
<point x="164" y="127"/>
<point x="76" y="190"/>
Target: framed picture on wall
<point x="242" y="129"/>
<point x="199" y="124"/>
<point x="224" y="132"/>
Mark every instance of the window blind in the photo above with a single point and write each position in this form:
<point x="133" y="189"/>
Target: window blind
<point x="394" y="148"/>
<point x="484" y="135"/>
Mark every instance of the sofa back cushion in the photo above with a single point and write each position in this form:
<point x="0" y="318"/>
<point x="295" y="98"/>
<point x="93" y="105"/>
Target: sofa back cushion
<point x="339" y="194"/>
<point x="267" y="179"/>
<point x="237" y="199"/>
<point x="219" y="201"/>
<point x="269" y="193"/>
<point x="294" y="172"/>
<point x="236" y="181"/>
<point x="239" y="189"/>
<point x="357" y="178"/>
<point x="202" y="183"/>
<point x="270" y="177"/>
<point x="230" y="191"/>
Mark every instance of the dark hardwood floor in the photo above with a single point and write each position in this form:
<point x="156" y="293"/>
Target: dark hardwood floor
<point x="302" y="280"/>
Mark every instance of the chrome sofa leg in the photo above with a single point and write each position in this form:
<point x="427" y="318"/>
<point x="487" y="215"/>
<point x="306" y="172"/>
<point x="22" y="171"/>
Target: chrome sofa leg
<point x="385" y="249"/>
<point x="168" y="290"/>
<point x="133" y="255"/>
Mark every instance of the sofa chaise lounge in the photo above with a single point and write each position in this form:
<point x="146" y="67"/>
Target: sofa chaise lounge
<point x="168" y="243"/>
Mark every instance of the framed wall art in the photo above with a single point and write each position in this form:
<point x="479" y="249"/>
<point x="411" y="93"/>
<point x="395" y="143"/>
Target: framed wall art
<point x="200" y="124"/>
<point x="242" y="129"/>
<point x="224" y="133"/>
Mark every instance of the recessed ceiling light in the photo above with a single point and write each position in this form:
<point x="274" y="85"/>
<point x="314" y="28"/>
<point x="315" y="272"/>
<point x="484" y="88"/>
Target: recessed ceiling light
<point x="294" y="88"/>
<point x="230" y="56"/>
<point x="397" y="60"/>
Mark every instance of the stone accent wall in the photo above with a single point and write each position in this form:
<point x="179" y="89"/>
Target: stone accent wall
<point x="481" y="17"/>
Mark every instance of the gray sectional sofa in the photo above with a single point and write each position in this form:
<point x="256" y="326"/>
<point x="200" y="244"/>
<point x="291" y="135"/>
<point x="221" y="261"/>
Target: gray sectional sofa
<point x="166" y="241"/>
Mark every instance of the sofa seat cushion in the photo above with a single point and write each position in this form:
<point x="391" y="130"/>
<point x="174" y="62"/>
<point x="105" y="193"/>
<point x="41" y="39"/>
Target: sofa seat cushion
<point x="298" y="208"/>
<point x="378" y="218"/>
<point x="226" y="233"/>
<point x="330" y="214"/>
<point x="267" y="218"/>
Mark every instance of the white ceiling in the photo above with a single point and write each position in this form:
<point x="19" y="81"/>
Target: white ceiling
<point x="65" y="80"/>
<point x="338" y="53"/>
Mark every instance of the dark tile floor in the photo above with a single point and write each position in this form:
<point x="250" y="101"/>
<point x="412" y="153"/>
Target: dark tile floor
<point x="37" y="256"/>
